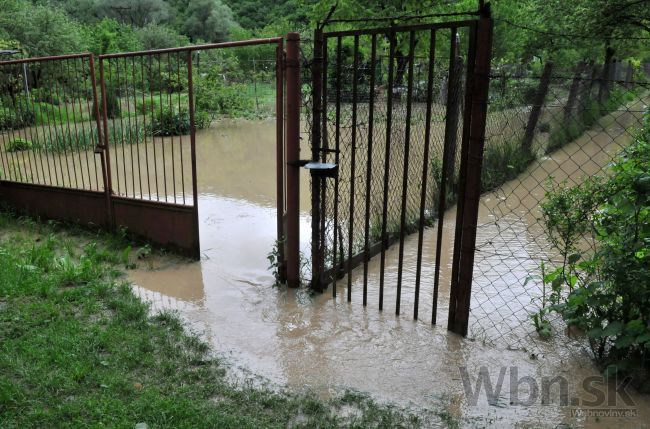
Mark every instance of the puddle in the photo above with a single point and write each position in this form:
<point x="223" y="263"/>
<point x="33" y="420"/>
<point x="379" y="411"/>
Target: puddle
<point x="291" y="337"/>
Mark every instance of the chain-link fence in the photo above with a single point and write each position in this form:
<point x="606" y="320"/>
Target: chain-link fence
<point x="554" y="127"/>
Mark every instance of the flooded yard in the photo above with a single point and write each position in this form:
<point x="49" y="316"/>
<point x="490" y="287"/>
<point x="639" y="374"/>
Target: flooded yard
<point x="293" y="338"/>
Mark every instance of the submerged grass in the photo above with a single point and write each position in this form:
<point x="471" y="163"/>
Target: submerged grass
<point x="78" y="349"/>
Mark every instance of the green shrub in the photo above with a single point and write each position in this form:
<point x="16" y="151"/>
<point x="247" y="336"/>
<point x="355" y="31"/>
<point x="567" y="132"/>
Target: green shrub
<point x="17" y="145"/>
<point x="147" y="106"/>
<point x="503" y="162"/>
<point x="564" y="133"/>
<point x="170" y="122"/>
<point x="44" y="96"/>
<point x="113" y="108"/>
<point x="605" y="292"/>
<point x="12" y="118"/>
<point x="218" y="98"/>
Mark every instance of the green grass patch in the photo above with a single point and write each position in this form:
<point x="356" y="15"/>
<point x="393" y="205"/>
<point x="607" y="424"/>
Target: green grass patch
<point x="79" y="349"/>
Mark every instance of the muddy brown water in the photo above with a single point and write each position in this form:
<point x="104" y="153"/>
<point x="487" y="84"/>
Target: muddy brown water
<point x="327" y="345"/>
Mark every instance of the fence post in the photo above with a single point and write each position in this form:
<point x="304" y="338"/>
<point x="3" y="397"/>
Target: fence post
<point x="629" y="74"/>
<point x="538" y="103"/>
<point x="471" y="161"/>
<point x="573" y="92"/>
<point x="317" y="108"/>
<point x="279" y="159"/>
<point x="591" y="71"/>
<point x="603" y="90"/>
<point x="292" y="151"/>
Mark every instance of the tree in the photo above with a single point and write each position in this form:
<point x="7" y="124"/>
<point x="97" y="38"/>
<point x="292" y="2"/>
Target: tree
<point x="155" y="36"/>
<point x="208" y="20"/>
<point x="109" y="36"/>
<point x="41" y="30"/>
<point x="137" y="13"/>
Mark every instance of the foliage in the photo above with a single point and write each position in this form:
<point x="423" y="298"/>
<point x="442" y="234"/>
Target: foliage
<point x="19" y="113"/>
<point x="11" y="119"/>
<point x="605" y="292"/>
<point x="217" y="97"/>
<point x="502" y="162"/>
<point x="71" y="325"/>
<point x="113" y="108"/>
<point x="109" y="35"/>
<point x="138" y="14"/>
<point x="156" y="36"/>
<point x="208" y="20"/>
<point x="41" y="29"/>
<point x="18" y="144"/>
<point x="170" y="121"/>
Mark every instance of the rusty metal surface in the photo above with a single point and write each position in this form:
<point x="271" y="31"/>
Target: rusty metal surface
<point x="292" y="153"/>
<point x="119" y="180"/>
<point x="392" y="130"/>
<point x="169" y="225"/>
<point x="53" y="202"/>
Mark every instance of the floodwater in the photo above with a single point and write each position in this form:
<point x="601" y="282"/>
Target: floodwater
<point x="324" y="344"/>
<point x="293" y="338"/>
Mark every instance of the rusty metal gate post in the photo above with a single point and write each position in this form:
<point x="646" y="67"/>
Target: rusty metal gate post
<point x="292" y="153"/>
<point x="470" y="186"/>
<point x="279" y="158"/>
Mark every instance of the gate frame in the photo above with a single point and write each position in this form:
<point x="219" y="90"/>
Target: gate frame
<point x="175" y="215"/>
<point x="472" y="145"/>
<point x="105" y="208"/>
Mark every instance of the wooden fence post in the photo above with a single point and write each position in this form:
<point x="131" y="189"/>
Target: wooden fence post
<point x="605" y="76"/>
<point x="573" y="92"/>
<point x="538" y="103"/>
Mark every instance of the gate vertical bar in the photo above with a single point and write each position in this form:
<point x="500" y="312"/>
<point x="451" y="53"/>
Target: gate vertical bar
<point x="448" y="159"/>
<point x="471" y="164"/>
<point x="279" y="157"/>
<point x="384" y="213"/>
<point x="371" y="118"/>
<point x="425" y="174"/>
<point x="102" y="132"/>
<point x="337" y="142"/>
<point x="195" y="191"/>
<point x="405" y="177"/>
<point x="292" y="67"/>
<point x="355" y="77"/>
<point x="317" y="82"/>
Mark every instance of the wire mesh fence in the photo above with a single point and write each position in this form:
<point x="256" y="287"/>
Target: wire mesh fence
<point x="557" y="127"/>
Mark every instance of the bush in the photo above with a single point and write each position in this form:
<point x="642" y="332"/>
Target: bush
<point x="170" y="122"/>
<point x="605" y="292"/>
<point x="17" y="145"/>
<point x="10" y="119"/>
<point x="503" y="162"/>
<point x="113" y="108"/>
<point x="218" y="98"/>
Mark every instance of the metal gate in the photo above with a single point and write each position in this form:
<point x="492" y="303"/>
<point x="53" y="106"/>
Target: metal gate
<point x="116" y="150"/>
<point x="389" y="106"/>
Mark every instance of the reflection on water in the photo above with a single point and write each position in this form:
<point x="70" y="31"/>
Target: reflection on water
<point x="292" y="337"/>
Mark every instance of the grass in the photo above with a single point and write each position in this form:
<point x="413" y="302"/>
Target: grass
<point x="78" y="349"/>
